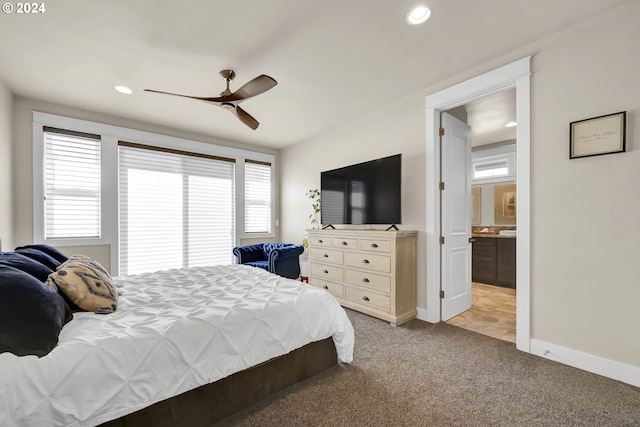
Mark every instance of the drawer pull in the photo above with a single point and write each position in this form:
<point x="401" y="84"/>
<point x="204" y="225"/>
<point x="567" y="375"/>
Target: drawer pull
<point x="365" y="261"/>
<point x="365" y="280"/>
<point x="365" y="298"/>
<point x="344" y="243"/>
<point x="325" y="287"/>
<point x="325" y="271"/>
<point x="325" y="255"/>
<point x="373" y="245"/>
<point x="320" y="241"/>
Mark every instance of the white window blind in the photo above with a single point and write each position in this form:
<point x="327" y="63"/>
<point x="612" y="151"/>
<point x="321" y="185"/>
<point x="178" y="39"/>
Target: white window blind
<point x="176" y="209"/>
<point x="499" y="167"/>
<point x="257" y="214"/>
<point x="71" y="184"/>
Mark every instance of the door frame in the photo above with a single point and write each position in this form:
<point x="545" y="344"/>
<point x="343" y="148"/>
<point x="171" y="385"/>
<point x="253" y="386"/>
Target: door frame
<point x="514" y="75"/>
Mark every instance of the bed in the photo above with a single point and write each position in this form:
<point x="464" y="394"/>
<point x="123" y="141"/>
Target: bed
<point x="178" y="338"/>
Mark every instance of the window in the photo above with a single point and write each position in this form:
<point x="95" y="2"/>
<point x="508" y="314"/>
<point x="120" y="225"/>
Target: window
<point x="490" y="169"/>
<point x="495" y="163"/>
<point x="257" y="193"/>
<point x="89" y="189"/>
<point x="71" y="184"/>
<point x="176" y="209"/>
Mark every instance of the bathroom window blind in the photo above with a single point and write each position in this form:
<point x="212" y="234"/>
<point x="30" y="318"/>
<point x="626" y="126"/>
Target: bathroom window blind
<point x="257" y="214"/>
<point x="490" y="168"/>
<point x="71" y="184"/>
<point x="177" y="209"/>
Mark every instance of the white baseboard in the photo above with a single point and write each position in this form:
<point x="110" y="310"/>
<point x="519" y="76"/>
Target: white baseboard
<point x="422" y="314"/>
<point x="587" y="362"/>
<point x="618" y="371"/>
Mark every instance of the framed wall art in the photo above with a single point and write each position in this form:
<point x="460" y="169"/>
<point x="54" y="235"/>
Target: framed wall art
<point x="598" y="135"/>
<point x="504" y="204"/>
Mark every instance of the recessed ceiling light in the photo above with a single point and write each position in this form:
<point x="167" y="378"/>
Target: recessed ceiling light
<point x="418" y="15"/>
<point x="123" y="89"/>
<point x="511" y="124"/>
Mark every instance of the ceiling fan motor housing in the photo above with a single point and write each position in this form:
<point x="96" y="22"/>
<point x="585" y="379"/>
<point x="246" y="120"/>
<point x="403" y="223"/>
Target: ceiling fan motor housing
<point x="228" y="74"/>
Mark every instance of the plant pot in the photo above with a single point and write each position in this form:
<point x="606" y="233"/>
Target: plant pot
<point x="304" y="267"/>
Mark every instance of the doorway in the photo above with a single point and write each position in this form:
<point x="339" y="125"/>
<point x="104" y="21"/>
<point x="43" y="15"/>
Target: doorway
<point x="490" y="217"/>
<point x="515" y="75"/>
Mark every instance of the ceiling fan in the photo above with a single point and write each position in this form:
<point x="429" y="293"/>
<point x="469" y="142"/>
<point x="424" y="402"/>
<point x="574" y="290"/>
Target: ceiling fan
<point x="230" y="100"/>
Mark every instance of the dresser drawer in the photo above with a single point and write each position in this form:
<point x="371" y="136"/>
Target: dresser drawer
<point x="368" y="261"/>
<point x="324" y="271"/>
<point x="324" y="241"/>
<point x="379" y="302"/>
<point x="327" y="255"/>
<point x="375" y="245"/>
<point x="344" y="243"/>
<point x="334" y="289"/>
<point x="368" y="280"/>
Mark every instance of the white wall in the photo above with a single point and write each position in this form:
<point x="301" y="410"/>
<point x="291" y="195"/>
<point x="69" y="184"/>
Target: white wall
<point x="6" y="191"/>
<point x="585" y="280"/>
<point x="586" y="274"/>
<point x="397" y="128"/>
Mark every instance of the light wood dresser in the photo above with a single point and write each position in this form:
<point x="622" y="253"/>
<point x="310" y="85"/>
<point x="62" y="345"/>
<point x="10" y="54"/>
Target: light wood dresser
<point x="371" y="271"/>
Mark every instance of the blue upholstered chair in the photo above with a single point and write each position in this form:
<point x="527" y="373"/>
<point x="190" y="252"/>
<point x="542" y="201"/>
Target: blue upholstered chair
<point x="277" y="258"/>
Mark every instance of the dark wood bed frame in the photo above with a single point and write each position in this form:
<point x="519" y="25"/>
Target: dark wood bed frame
<point x="212" y="402"/>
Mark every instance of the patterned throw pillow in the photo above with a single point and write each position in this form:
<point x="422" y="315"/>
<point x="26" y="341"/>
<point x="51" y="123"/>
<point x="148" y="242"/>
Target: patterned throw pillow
<point x="86" y="283"/>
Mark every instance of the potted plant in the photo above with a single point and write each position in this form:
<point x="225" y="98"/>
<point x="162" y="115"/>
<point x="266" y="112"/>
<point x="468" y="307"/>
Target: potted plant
<point x="314" y="195"/>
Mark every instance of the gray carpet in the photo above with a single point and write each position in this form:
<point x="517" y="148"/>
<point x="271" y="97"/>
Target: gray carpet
<point x="420" y="374"/>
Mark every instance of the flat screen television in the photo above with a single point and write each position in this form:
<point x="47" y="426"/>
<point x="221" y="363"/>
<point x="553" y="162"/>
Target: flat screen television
<point x="365" y="193"/>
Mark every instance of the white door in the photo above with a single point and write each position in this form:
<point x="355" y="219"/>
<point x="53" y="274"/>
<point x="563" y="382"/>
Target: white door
<point x="456" y="216"/>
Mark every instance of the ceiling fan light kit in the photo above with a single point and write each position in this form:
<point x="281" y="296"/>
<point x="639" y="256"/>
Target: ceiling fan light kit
<point x="230" y="100"/>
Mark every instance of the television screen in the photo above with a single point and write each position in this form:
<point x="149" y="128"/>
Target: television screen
<point x="365" y="193"/>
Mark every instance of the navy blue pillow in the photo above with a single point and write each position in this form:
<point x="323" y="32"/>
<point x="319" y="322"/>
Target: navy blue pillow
<point x="26" y="264"/>
<point x="40" y="256"/>
<point x="31" y="315"/>
<point x="49" y="250"/>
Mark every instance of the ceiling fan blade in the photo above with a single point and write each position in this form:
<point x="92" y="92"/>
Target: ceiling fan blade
<point x="246" y="118"/>
<point x="177" y="94"/>
<point x="252" y="88"/>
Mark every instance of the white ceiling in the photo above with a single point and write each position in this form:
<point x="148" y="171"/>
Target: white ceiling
<point x="333" y="59"/>
<point x="488" y="116"/>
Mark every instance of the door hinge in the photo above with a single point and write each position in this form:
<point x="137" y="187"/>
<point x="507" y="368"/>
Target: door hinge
<point x="441" y="294"/>
<point x="442" y="186"/>
<point x="441" y="131"/>
<point x="442" y="240"/>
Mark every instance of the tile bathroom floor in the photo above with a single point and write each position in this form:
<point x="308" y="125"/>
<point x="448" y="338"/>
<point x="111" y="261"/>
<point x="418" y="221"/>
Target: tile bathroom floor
<point x="492" y="312"/>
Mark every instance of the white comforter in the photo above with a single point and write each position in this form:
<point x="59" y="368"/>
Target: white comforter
<point x="173" y="331"/>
